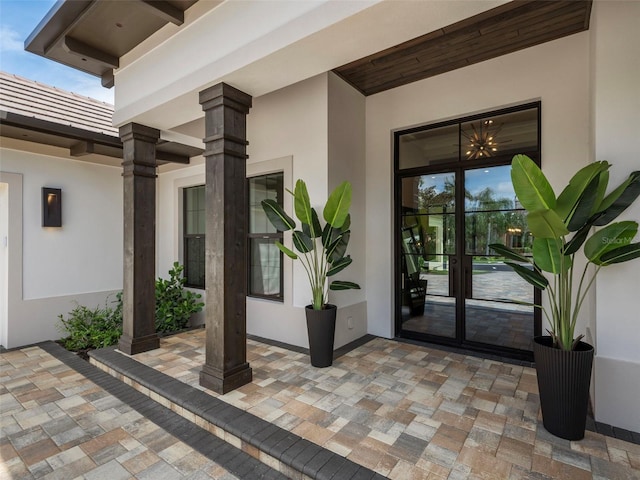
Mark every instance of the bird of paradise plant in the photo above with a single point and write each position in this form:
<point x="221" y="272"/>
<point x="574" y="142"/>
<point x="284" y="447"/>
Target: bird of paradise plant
<point x="322" y="250"/>
<point x="561" y="226"/>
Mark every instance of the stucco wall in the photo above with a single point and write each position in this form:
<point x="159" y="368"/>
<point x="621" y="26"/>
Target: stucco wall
<point x="557" y="73"/>
<point x="51" y="268"/>
<point x="616" y="109"/>
<point x="288" y="130"/>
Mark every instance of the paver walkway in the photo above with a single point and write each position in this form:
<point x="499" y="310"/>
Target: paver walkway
<point x="410" y="412"/>
<point x="58" y="424"/>
<point x="405" y="411"/>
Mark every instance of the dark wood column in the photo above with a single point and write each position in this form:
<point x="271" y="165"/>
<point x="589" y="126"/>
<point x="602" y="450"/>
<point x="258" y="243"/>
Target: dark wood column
<point x="226" y="366"/>
<point x="138" y="296"/>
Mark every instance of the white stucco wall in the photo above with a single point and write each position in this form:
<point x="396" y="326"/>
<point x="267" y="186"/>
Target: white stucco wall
<point x="616" y="109"/>
<point x="51" y="268"/>
<point x="288" y="130"/>
<point x="346" y="161"/>
<point x="4" y="259"/>
<point x="294" y="123"/>
<point x="555" y="72"/>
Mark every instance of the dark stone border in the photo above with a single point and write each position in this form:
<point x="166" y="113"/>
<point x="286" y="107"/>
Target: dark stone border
<point x="358" y="342"/>
<point x="292" y="450"/>
<point x="234" y="460"/>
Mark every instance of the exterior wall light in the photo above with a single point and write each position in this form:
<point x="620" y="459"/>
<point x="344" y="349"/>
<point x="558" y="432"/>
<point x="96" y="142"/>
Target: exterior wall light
<point x="51" y="207"/>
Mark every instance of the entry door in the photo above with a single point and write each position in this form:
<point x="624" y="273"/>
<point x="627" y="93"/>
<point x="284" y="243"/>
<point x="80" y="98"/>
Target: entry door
<point x="452" y="287"/>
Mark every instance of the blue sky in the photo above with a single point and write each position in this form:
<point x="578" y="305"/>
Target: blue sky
<point x="18" y="18"/>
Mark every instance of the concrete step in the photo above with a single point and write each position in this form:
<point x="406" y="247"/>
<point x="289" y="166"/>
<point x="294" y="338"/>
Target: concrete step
<point x="279" y="449"/>
<point x="234" y="460"/>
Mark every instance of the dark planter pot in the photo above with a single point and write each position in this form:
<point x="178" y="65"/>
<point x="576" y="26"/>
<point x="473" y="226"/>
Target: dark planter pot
<point x="321" y="328"/>
<point x="563" y="383"/>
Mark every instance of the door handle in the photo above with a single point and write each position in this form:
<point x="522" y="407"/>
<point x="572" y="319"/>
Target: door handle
<point x="468" y="278"/>
<point x="452" y="276"/>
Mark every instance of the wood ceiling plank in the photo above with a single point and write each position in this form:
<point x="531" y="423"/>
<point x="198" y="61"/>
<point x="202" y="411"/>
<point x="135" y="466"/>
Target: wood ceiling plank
<point x="505" y="29"/>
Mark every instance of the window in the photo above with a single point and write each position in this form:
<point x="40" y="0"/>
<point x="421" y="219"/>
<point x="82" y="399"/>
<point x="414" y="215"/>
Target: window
<point x="265" y="259"/>
<point x="194" y="230"/>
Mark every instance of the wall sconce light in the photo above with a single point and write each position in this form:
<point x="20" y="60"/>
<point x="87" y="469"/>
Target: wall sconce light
<point x="51" y="207"/>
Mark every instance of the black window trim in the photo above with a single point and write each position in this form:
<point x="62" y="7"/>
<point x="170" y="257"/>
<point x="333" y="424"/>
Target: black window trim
<point x="279" y="235"/>
<point x="185" y="235"/>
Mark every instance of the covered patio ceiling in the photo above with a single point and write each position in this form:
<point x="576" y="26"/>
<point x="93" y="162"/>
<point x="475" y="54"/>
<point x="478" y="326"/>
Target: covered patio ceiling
<point x="505" y="29"/>
<point x="92" y="35"/>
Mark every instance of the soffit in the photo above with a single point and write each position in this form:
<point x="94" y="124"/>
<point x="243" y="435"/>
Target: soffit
<point x="92" y="35"/>
<point x="499" y="31"/>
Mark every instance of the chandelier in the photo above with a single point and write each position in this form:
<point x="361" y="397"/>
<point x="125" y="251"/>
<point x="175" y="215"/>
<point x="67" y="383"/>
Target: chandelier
<point x="482" y="140"/>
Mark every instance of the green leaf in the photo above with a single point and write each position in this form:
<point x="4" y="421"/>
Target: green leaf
<point x="277" y="216"/>
<point x="548" y="255"/>
<point x="617" y="201"/>
<point x="531" y="276"/>
<point x="302" y="242"/>
<point x="314" y="230"/>
<point x="621" y="254"/>
<point x="584" y="207"/>
<point x="347" y="223"/>
<point x="546" y="224"/>
<point x="602" y="189"/>
<point x="339" y="265"/>
<point x="329" y="235"/>
<point x="342" y="285"/>
<point x="302" y="203"/>
<point x="531" y="186"/>
<point x="286" y="251"/>
<point x="609" y="238"/>
<point x="578" y="239"/>
<point x="508" y="253"/>
<point x="574" y="191"/>
<point x="338" y="248"/>
<point x="337" y="206"/>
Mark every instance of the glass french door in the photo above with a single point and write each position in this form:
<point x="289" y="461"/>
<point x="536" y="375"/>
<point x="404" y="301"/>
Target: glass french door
<point x="451" y="288"/>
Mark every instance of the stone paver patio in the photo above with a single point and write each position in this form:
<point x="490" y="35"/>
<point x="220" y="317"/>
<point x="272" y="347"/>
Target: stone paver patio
<point x="404" y="411"/>
<point x="408" y="411"/>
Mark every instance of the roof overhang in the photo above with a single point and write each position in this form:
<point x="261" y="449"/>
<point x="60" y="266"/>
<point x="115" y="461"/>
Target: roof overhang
<point x="92" y="35"/>
<point x="82" y="142"/>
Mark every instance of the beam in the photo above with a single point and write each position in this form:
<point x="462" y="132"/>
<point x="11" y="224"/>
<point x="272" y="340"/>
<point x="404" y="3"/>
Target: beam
<point x="81" y="49"/>
<point x="108" y="79"/>
<point x="81" y="149"/>
<point x="172" y="157"/>
<point x="226" y="367"/>
<point x="165" y="11"/>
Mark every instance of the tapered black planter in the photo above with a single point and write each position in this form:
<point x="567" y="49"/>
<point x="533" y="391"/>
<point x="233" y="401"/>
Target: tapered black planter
<point x="563" y="383"/>
<point x="321" y="328"/>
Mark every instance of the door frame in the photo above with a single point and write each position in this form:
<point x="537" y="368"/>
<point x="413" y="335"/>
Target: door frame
<point x="458" y="167"/>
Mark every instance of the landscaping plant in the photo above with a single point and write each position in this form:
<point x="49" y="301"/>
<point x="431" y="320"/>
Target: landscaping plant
<point x="561" y="226"/>
<point x="92" y="328"/>
<point x="322" y="250"/>
<point x="174" y="303"/>
<point x="86" y="328"/>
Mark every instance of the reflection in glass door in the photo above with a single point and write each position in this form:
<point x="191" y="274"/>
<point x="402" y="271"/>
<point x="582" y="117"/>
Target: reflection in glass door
<point x="455" y="286"/>
<point x="494" y="294"/>
<point x="428" y="244"/>
<point x="454" y="198"/>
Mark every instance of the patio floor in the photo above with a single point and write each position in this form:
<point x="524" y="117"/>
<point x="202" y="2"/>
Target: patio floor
<point x="403" y="411"/>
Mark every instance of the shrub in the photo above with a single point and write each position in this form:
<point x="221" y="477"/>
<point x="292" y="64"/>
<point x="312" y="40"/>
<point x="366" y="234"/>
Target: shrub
<point x="92" y="328"/>
<point x="86" y="328"/>
<point x="175" y="304"/>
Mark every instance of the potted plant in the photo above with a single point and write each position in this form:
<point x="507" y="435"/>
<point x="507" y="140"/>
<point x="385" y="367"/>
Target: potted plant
<point x="561" y="227"/>
<point x="322" y="252"/>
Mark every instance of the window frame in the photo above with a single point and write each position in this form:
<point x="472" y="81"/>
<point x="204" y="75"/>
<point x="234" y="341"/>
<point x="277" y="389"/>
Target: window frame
<point x="185" y="236"/>
<point x="278" y="235"/>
